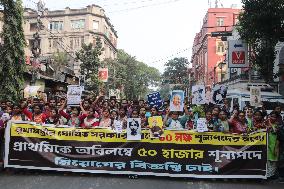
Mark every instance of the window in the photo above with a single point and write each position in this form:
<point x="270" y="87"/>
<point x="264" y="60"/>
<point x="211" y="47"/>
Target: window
<point x="220" y="21"/>
<point x="56" y="25"/>
<point x="82" y="40"/>
<point x="33" y="27"/>
<point x="71" y="43"/>
<point x="77" y="42"/>
<point x="49" y="43"/>
<point x="95" y="25"/>
<point x="78" y="24"/>
<point x="56" y="42"/>
<point x="220" y="47"/>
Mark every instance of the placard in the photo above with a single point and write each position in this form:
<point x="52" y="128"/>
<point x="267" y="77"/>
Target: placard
<point x="134" y="129"/>
<point x="255" y="96"/>
<point x="177" y="101"/>
<point x="74" y="94"/>
<point x="198" y="93"/>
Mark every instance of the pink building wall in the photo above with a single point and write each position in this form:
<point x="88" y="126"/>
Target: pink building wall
<point x="204" y="51"/>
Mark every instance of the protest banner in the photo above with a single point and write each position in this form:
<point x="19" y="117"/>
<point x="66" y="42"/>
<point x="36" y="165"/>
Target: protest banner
<point x="176" y="154"/>
<point x="74" y="94"/>
<point x="155" y="100"/>
<point x="198" y="92"/>
<point x="177" y="101"/>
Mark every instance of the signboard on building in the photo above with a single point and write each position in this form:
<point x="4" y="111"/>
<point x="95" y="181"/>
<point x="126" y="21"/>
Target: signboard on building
<point x="238" y="54"/>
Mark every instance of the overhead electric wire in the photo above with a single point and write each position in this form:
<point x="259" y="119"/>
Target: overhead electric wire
<point x="167" y="58"/>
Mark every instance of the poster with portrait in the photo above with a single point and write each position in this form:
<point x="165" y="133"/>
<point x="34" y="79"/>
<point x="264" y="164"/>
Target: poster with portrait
<point x="255" y="96"/>
<point x="31" y="91"/>
<point x="177" y="101"/>
<point x="155" y="100"/>
<point x="103" y="74"/>
<point x="156" y="126"/>
<point x="208" y="95"/>
<point x="74" y="94"/>
<point x="198" y="93"/>
<point x="219" y="94"/>
<point x="134" y="129"/>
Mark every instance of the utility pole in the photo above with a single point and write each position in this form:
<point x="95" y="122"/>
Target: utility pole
<point x="36" y="50"/>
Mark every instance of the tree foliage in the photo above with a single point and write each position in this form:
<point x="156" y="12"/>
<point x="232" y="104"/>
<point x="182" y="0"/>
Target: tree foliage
<point x="12" y="55"/>
<point x="176" y="73"/>
<point x="90" y="63"/>
<point x="262" y="25"/>
<point x="132" y="76"/>
<point x="60" y="59"/>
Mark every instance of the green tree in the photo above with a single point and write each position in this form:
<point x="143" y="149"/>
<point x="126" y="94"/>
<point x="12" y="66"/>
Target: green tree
<point x="90" y="63"/>
<point x="261" y="24"/>
<point x="12" y="55"/>
<point x="133" y="76"/>
<point x="176" y="73"/>
<point x="60" y="59"/>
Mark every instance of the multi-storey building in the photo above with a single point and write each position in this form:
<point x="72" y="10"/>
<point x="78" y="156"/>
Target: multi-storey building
<point x="209" y="53"/>
<point x="66" y="30"/>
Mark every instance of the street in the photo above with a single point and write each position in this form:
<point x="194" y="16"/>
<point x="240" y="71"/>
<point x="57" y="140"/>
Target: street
<point x="54" y="180"/>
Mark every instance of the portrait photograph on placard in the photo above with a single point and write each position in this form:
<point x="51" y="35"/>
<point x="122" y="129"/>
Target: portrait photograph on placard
<point x="134" y="129"/>
<point x="177" y="101"/>
<point x="255" y="96"/>
<point x="156" y="126"/>
<point x="198" y="93"/>
<point x="219" y="94"/>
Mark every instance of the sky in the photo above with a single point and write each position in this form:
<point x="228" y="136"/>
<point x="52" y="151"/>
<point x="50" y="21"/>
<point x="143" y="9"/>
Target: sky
<point x="154" y="31"/>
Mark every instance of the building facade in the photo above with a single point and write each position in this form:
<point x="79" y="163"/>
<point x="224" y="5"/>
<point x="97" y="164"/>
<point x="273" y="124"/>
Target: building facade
<point x="208" y="52"/>
<point x="66" y="30"/>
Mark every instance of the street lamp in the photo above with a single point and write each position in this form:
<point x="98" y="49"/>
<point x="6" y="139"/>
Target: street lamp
<point x="220" y="65"/>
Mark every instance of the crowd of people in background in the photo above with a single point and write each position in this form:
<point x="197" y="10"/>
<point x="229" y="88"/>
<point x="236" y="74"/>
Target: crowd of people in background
<point x="100" y="112"/>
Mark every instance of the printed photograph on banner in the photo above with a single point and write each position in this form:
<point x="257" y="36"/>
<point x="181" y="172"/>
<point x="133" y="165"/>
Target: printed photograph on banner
<point x="134" y="129"/>
<point x="255" y="96"/>
<point x="198" y="93"/>
<point x="201" y="125"/>
<point x="155" y="100"/>
<point x="177" y="101"/>
<point x="219" y="94"/>
<point x="156" y="126"/>
<point x="74" y="94"/>
<point x="103" y="74"/>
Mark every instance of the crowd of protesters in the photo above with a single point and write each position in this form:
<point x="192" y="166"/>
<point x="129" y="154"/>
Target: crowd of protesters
<point x="99" y="112"/>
